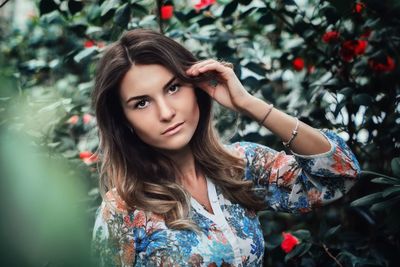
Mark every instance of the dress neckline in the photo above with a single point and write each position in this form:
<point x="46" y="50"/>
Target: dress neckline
<point x="212" y="196"/>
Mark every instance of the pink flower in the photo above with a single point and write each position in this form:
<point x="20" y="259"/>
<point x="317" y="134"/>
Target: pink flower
<point x="87" y="118"/>
<point x="88" y="157"/>
<point x="203" y="3"/>
<point x="167" y="12"/>
<point x="298" y="63"/>
<point x="289" y="242"/>
<point x="73" y="119"/>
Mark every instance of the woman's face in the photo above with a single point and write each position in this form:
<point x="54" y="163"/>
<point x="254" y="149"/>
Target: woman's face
<point x="153" y="101"/>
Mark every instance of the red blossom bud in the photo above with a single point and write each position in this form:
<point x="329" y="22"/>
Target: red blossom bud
<point x="89" y="43"/>
<point x="352" y="48"/>
<point x="330" y="37"/>
<point x="289" y="242"/>
<point x="203" y="3"/>
<point x="358" y="8"/>
<point x="167" y="12"/>
<point x="377" y="66"/>
<point x="298" y="63"/>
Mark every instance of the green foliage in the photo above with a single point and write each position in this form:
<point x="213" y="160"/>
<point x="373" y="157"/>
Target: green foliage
<point x="52" y="64"/>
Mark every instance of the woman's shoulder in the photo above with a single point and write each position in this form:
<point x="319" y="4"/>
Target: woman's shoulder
<point x="114" y="210"/>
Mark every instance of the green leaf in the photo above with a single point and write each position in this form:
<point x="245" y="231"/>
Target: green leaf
<point x="367" y="200"/>
<point x="339" y="107"/>
<point x="342" y="6"/>
<point x="391" y="191"/>
<point x="302" y="234"/>
<point x="75" y="6"/>
<point x="229" y="9"/>
<point x="386" y="180"/>
<point x="267" y="17"/>
<point x="332" y="231"/>
<point x="108" y="5"/>
<point x="299" y="250"/>
<point x="122" y="15"/>
<point x="362" y="99"/>
<point x="347" y="91"/>
<point x="289" y="3"/>
<point x="331" y="14"/>
<point x="47" y="6"/>
<point x="395" y="164"/>
<point x="385" y="204"/>
<point x="247" y="13"/>
<point x="244" y="2"/>
<point x="256" y="68"/>
<point x="332" y="83"/>
<point x="85" y="53"/>
<point x="140" y="10"/>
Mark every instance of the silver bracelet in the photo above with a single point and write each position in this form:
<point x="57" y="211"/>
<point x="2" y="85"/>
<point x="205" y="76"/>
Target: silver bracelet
<point x="294" y="134"/>
<point x="266" y="115"/>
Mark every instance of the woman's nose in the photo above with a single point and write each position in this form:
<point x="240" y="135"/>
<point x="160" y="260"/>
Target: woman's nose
<point x="167" y="112"/>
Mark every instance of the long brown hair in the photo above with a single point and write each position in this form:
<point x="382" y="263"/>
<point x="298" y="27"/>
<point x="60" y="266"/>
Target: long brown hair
<point x="142" y="177"/>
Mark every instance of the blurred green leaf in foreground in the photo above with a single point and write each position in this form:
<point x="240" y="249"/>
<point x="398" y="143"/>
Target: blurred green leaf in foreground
<point x="44" y="220"/>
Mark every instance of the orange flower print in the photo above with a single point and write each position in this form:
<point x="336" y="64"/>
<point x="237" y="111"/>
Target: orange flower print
<point x="128" y="220"/>
<point x="140" y="219"/>
<point x="128" y="253"/>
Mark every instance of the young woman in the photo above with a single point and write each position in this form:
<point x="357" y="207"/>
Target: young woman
<point x="174" y="195"/>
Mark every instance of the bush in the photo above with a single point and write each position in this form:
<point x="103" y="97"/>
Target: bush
<point x="334" y="64"/>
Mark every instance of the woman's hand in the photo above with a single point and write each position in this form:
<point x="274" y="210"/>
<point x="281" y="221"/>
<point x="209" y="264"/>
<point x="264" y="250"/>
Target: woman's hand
<point x="229" y="92"/>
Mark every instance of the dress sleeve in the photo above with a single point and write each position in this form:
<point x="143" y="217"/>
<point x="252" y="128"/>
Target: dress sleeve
<point x="297" y="183"/>
<point x="113" y="241"/>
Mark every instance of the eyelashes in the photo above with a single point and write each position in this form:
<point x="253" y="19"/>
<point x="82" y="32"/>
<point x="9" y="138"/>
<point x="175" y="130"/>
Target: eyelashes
<point x="175" y="86"/>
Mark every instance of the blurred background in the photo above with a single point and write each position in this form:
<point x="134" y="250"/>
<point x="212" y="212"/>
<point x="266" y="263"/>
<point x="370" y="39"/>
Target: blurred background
<point x="334" y="64"/>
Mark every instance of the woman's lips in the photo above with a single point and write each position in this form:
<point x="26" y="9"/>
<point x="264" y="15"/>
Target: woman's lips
<point x="173" y="129"/>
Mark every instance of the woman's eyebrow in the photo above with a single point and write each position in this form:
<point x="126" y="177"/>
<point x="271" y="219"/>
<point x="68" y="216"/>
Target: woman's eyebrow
<point x="143" y="96"/>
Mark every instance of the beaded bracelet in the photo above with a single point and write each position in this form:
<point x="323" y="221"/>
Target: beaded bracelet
<point x="266" y="115"/>
<point x="294" y="134"/>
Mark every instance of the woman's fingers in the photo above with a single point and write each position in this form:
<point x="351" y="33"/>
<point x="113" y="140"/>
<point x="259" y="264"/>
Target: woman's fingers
<point x="207" y="65"/>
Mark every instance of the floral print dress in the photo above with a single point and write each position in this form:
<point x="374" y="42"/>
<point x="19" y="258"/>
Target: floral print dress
<point x="232" y="236"/>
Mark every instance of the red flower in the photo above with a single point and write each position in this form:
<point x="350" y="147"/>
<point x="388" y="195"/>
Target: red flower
<point x="88" y="157"/>
<point x="330" y="37"/>
<point x="382" y="67"/>
<point x="366" y="34"/>
<point x="298" y="63"/>
<point x="167" y="12"/>
<point x="289" y="242"/>
<point x="203" y="4"/>
<point x="87" y="118"/>
<point x="73" y="119"/>
<point x="358" y="7"/>
<point x="89" y="43"/>
<point x="352" y="48"/>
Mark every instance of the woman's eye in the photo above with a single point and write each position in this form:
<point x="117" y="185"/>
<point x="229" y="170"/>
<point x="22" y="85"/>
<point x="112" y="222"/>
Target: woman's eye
<point x="141" y="104"/>
<point x="175" y="87"/>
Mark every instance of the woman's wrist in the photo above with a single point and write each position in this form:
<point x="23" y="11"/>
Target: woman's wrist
<point x="245" y="106"/>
